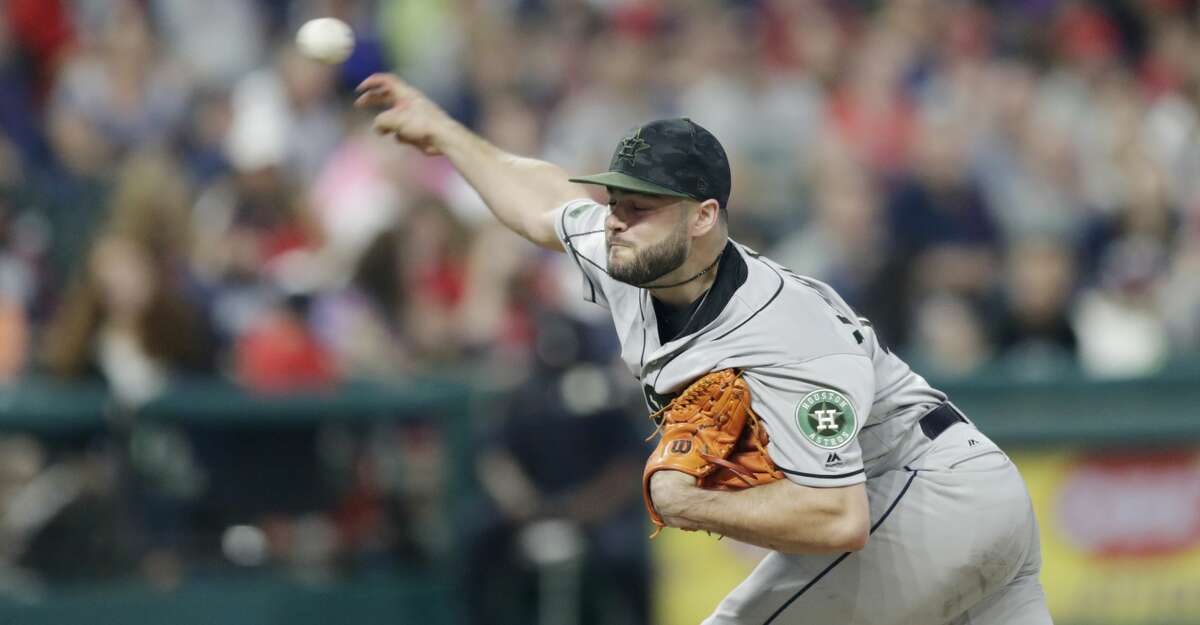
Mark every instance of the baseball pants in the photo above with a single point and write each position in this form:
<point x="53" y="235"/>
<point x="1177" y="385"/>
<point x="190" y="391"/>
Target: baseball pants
<point x="954" y="541"/>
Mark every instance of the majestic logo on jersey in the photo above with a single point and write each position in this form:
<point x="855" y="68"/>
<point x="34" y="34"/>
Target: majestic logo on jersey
<point x="631" y="146"/>
<point x="826" y="418"/>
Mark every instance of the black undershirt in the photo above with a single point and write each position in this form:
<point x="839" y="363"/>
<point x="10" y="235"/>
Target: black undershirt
<point x="677" y="321"/>
<point x="672" y="319"/>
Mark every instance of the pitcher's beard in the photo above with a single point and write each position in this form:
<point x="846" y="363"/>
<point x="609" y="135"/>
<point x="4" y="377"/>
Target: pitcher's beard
<point x="653" y="262"/>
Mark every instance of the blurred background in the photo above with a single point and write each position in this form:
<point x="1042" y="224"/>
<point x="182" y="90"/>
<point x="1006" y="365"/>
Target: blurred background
<point x="260" y="366"/>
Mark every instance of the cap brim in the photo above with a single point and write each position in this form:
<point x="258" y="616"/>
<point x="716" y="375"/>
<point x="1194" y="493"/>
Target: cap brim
<point x="618" y="180"/>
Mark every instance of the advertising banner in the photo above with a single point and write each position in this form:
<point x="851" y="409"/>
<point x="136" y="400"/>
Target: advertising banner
<point x="1120" y="534"/>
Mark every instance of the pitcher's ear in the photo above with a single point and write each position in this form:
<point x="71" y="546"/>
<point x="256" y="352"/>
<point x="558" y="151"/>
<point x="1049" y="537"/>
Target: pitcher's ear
<point x="708" y="216"/>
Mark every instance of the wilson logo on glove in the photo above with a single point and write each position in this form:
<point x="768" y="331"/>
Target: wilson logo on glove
<point x="681" y="446"/>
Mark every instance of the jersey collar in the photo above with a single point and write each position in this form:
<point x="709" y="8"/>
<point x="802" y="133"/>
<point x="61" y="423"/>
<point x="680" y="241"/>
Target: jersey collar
<point x="731" y="274"/>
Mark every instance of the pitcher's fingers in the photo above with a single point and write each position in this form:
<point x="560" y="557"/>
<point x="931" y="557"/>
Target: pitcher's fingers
<point x="387" y="123"/>
<point x="374" y="97"/>
<point x="394" y="85"/>
<point x="377" y="81"/>
<point x="390" y="83"/>
<point x="382" y="127"/>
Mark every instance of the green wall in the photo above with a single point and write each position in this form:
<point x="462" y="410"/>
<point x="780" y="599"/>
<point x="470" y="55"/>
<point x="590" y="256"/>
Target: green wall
<point x="1064" y="410"/>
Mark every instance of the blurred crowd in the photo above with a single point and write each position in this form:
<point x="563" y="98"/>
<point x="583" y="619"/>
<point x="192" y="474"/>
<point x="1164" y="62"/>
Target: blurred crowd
<point x="999" y="186"/>
<point x="181" y="192"/>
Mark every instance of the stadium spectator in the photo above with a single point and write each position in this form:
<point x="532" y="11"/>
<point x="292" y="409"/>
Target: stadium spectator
<point x="564" y="451"/>
<point x="1034" y="333"/>
<point x="128" y="316"/>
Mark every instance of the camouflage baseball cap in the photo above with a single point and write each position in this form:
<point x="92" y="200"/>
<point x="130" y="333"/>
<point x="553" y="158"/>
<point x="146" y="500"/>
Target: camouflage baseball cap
<point x="672" y="157"/>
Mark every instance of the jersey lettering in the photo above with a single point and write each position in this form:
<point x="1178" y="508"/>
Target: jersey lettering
<point x="857" y="334"/>
<point x="878" y="339"/>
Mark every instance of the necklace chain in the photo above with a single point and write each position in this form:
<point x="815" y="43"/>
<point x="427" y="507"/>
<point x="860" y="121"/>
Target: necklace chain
<point x="697" y="311"/>
<point x="697" y="275"/>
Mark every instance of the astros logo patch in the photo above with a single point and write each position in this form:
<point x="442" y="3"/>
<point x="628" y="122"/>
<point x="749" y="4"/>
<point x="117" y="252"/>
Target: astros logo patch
<point x="826" y="418"/>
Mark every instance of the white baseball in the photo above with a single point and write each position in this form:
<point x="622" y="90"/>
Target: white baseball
<point x="325" y="39"/>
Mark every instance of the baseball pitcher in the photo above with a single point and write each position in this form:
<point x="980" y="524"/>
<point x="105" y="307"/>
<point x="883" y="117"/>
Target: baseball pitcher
<point x="784" y="422"/>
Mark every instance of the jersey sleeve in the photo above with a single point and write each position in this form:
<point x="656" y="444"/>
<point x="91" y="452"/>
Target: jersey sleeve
<point x="580" y="227"/>
<point x="814" y="411"/>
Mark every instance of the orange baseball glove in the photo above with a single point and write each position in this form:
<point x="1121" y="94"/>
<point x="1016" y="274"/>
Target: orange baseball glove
<point x="710" y="432"/>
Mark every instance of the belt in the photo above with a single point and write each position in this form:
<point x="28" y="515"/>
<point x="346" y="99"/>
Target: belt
<point x="940" y="419"/>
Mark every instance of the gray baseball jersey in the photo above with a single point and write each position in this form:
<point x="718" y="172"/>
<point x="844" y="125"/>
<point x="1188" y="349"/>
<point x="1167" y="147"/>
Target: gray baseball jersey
<point x="840" y="409"/>
<point x="835" y="401"/>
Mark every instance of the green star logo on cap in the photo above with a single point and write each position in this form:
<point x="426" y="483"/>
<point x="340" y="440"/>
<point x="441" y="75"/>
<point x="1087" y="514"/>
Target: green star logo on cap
<point x="630" y="146"/>
<point x="826" y="419"/>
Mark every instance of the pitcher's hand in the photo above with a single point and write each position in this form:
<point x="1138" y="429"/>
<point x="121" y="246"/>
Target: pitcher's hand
<point x="410" y="116"/>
